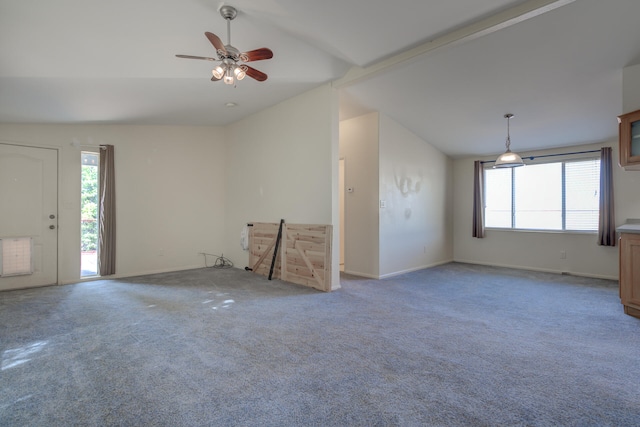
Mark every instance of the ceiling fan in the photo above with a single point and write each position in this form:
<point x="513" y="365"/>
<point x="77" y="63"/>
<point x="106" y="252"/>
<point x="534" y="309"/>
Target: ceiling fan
<point x="231" y="65"/>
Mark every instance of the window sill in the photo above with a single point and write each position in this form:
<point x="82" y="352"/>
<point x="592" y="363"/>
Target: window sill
<point x="524" y="230"/>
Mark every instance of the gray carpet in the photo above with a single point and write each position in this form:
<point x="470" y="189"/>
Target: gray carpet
<point x="447" y="346"/>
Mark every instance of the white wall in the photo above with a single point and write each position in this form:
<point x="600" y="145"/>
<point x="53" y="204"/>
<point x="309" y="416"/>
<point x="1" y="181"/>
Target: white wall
<point x="282" y="163"/>
<point x="170" y="192"/>
<point x="386" y="162"/>
<point x="541" y="250"/>
<point x="359" y="147"/>
<point x="631" y="89"/>
<point x="416" y="230"/>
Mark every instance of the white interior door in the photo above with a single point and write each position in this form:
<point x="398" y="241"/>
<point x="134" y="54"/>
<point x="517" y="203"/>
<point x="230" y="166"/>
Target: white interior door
<point x="28" y="209"/>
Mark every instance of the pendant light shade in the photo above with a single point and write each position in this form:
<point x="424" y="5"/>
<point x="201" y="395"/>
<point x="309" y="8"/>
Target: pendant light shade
<point x="508" y="159"/>
<point x="218" y="72"/>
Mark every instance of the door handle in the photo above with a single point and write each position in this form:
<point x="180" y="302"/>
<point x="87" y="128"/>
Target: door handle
<point x="52" y="216"/>
<point x="52" y="227"/>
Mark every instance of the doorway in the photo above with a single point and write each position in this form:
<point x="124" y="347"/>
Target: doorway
<point x="342" y="209"/>
<point x="28" y="216"/>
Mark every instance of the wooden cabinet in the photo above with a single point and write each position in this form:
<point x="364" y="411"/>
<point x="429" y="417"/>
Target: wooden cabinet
<point x="630" y="273"/>
<point x="629" y="139"/>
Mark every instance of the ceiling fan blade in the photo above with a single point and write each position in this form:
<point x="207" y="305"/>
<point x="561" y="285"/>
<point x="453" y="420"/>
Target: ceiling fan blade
<point x="255" y="74"/>
<point x="257" y="54"/>
<point x="196" y="57"/>
<point x="216" y="42"/>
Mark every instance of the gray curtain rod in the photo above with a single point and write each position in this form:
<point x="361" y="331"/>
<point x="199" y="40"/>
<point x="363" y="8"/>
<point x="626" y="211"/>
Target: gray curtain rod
<point x="547" y="155"/>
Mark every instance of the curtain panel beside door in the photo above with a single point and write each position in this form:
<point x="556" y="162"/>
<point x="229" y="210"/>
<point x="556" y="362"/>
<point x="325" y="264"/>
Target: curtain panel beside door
<point x="107" y="217"/>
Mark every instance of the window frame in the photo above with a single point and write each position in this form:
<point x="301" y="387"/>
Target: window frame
<point x="537" y="161"/>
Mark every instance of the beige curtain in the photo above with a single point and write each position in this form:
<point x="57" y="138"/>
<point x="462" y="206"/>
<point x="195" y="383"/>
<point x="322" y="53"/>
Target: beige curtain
<point x="478" y="200"/>
<point x="606" y="224"/>
<point x="107" y="232"/>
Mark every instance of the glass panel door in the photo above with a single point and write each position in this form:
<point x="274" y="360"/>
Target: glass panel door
<point x="635" y="139"/>
<point x="89" y="215"/>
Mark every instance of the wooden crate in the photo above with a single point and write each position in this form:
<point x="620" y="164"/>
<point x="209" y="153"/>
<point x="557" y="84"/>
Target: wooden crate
<point x="304" y="255"/>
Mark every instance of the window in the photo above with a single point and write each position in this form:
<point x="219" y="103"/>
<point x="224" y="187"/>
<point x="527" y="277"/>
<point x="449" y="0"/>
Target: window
<point x="545" y="196"/>
<point x="89" y="214"/>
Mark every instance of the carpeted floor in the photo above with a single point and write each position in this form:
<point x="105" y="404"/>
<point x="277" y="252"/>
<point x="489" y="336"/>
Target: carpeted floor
<point x="455" y="345"/>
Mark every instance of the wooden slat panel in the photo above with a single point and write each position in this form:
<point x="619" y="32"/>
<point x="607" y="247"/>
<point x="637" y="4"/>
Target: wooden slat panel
<point x="300" y="263"/>
<point x="293" y="257"/>
<point x="305" y="272"/>
<point x="314" y="273"/>
<point x="262" y="239"/>
<point x="300" y="280"/>
<point x="308" y="235"/>
<point x="328" y="250"/>
<point x="304" y="256"/>
<point x="309" y="246"/>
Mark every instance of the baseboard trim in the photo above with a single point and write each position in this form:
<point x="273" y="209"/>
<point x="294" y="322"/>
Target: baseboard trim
<point x="136" y="274"/>
<point x="542" y="270"/>
<point x="397" y="273"/>
<point x="410" y="270"/>
<point x="357" y="273"/>
<point x="360" y="274"/>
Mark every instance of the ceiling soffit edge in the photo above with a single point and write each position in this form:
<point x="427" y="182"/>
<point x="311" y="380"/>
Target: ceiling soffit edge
<point x="504" y="19"/>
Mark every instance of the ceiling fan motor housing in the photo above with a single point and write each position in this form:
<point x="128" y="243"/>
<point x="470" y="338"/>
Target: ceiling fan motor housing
<point x="228" y="12"/>
<point x="232" y="52"/>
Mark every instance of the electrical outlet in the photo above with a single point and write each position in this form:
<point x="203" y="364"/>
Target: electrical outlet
<point x="563" y="254"/>
<point x="383" y="204"/>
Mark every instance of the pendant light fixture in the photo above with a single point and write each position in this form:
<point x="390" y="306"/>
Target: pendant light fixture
<point x="508" y="159"/>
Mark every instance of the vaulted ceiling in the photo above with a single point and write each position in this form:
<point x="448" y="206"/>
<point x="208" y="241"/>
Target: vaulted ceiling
<point x="448" y="70"/>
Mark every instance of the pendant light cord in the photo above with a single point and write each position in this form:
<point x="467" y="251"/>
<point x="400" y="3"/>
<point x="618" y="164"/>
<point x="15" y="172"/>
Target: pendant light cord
<point x="508" y="142"/>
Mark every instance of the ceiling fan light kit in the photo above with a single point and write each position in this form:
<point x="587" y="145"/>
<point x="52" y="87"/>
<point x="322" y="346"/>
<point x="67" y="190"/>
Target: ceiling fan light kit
<point x="508" y="159"/>
<point x="231" y="67"/>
